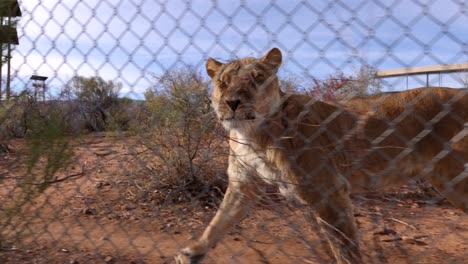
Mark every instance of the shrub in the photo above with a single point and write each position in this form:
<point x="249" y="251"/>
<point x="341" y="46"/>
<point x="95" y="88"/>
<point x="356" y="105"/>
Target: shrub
<point x="183" y="137"/>
<point x="339" y="86"/>
<point x="121" y="114"/>
<point x="14" y="116"/>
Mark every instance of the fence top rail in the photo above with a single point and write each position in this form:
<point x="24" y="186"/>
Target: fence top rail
<point x="441" y="68"/>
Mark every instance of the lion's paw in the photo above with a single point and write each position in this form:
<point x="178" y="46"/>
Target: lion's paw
<point x="187" y="256"/>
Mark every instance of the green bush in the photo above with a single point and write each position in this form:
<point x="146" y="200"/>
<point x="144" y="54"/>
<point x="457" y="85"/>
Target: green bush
<point x="183" y="135"/>
<point x="47" y="150"/>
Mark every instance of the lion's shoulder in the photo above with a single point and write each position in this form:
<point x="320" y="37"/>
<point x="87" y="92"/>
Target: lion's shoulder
<point x="300" y="117"/>
<point x="305" y="107"/>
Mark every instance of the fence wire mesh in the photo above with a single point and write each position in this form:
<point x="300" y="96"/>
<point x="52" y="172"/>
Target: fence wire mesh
<point x="114" y="149"/>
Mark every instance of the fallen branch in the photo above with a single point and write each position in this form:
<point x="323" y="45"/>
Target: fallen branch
<point x="81" y="173"/>
<point x="10" y="249"/>
<point x="389" y="218"/>
<point x="5" y="148"/>
<point x="393" y="200"/>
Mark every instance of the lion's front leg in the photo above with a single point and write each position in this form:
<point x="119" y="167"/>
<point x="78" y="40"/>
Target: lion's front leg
<point x="334" y="214"/>
<point x="328" y="195"/>
<point x="237" y="200"/>
<point x="338" y="224"/>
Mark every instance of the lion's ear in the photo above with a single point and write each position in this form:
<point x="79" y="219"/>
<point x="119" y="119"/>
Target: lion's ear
<point x="273" y="57"/>
<point x="212" y="66"/>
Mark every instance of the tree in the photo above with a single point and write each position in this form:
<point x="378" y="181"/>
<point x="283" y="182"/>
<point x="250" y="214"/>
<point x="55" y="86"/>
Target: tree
<point x="95" y="98"/>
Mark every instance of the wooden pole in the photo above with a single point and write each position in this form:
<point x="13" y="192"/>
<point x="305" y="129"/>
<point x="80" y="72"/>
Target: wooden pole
<point x="35" y="91"/>
<point x="1" y="64"/>
<point x="8" y="91"/>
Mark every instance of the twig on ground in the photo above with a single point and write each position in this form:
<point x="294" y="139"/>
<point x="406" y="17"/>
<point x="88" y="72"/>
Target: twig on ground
<point x="197" y="221"/>
<point x="262" y="242"/>
<point x="389" y="218"/>
<point x="6" y="148"/>
<point x="393" y="200"/>
<point x="403" y="223"/>
<point x="128" y="154"/>
<point x="137" y="185"/>
<point x="9" y="249"/>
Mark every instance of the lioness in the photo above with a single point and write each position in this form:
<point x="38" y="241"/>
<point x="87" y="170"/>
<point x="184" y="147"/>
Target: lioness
<point x="317" y="152"/>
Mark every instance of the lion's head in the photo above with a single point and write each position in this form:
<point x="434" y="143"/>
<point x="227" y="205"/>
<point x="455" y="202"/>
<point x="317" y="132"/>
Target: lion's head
<point x="245" y="90"/>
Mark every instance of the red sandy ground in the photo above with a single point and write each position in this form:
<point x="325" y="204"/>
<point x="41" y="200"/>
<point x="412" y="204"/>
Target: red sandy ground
<point x="105" y="215"/>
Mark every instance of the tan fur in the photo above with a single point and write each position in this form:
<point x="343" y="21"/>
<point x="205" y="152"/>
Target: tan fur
<point x="317" y="152"/>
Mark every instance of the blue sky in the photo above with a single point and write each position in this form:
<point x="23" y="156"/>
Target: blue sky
<point x="130" y="41"/>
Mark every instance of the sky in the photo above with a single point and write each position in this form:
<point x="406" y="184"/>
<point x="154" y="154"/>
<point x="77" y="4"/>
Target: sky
<point x="131" y="41"/>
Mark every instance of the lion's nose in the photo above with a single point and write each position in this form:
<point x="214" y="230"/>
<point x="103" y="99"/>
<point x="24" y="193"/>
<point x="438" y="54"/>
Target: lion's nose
<point x="233" y="104"/>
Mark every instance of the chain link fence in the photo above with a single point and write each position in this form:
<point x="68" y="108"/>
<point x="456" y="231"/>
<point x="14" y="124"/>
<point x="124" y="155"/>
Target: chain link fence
<point x="114" y="149"/>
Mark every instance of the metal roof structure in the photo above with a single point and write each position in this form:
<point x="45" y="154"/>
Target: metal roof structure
<point x="9" y="8"/>
<point x="427" y="70"/>
<point x="441" y="68"/>
<point x="38" y="78"/>
<point x="8" y="35"/>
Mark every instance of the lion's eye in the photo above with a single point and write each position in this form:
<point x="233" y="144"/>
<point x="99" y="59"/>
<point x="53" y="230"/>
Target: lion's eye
<point x="259" y="77"/>
<point x="222" y="85"/>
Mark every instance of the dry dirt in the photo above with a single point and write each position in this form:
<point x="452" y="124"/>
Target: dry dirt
<point x="104" y="213"/>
